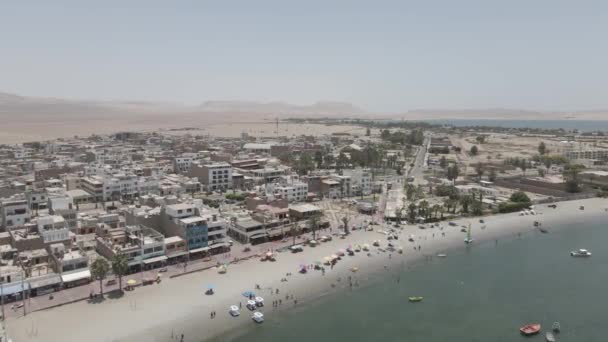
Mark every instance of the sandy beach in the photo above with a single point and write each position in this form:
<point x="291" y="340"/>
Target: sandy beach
<point x="179" y="306"/>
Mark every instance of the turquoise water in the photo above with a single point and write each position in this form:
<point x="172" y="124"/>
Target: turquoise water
<point x="581" y="125"/>
<point x="484" y="293"/>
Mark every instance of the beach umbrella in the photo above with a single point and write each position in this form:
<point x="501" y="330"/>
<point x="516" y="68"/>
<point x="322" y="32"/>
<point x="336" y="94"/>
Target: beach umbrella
<point x="210" y="287"/>
<point x="131" y="282"/>
<point x="334" y="257"/>
<point x="354" y="269"/>
<point x="248" y="294"/>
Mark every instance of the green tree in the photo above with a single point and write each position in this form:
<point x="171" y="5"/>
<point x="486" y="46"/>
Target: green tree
<point x="368" y="132"/>
<point x="342" y="161"/>
<point x="346" y="220"/>
<point x="319" y="158"/>
<point x="452" y="173"/>
<point x="99" y="271"/>
<point x="519" y="197"/>
<point x="305" y="164"/>
<point x="412" y="212"/>
<point x="523" y="165"/>
<point x="120" y="266"/>
<point x="476" y="208"/>
<point x="314" y="222"/>
<point x="481" y="139"/>
<point x="474" y="150"/>
<point x="465" y="201"/>
<point x="443" y="162"/>
<point x="479" y="169"/>
<point x="492" y="175"/>
<point x="542" y="149"/>
<point x="423" y="209"/>
<point x="571" y="178"/>
<point x="410" y="191"/>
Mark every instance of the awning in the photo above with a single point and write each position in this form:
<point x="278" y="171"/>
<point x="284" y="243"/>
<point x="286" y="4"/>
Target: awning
<point x="48" y="280"/>
<point x="198" y="250"/>
<point x="176" y="254"/>
<point x="275" y="232"/>
<point x="13" y="288"/>
<point x="74" y="276"/>
<point x="155" y="259"/>
<point x="218" y="245"/>
<point x="258" y="235"/>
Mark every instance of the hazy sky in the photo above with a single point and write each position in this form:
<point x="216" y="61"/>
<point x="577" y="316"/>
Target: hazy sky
<point x="381" y="55"/>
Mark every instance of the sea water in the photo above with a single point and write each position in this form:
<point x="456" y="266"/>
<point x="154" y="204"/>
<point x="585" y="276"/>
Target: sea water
<point x="481" y="293"/>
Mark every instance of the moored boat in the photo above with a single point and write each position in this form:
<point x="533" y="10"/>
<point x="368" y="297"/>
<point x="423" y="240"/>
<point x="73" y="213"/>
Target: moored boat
<point x="415" y="299"/>
<point x="530" y="329"/>
<point x="580" y="253"/>
<point x="549" y="337"/>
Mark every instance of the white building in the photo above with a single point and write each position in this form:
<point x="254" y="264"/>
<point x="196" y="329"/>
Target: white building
<point x="295" y="192"/>
<point x="15" y="213"/>
<point x="52" y="228"/>
<point x="360" y="181"/>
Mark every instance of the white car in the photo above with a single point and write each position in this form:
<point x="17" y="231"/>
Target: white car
<point x="234" y="311"/>
<point x="258" y="317"/>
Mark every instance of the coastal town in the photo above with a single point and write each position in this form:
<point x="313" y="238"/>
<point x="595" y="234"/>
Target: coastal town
<point x="89" y="218"/>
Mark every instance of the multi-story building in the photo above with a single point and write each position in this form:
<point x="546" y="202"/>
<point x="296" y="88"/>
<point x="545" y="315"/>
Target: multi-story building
<point x="182" y="164"/>
<point x="360" y="181"/>
<point x="15" y="212"/>
<point x="53" y="229"/>
<point x="295" y="192"/>
<point x="216" y="176"/>
<point x="143" y="246"/>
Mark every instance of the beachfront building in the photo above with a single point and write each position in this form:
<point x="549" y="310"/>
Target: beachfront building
<point x="202" y="228"/>
<point x="257" y="148"/>
<point x="143" y="246"/>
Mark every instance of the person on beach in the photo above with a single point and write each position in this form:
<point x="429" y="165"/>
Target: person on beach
<point x="182" y="339"/>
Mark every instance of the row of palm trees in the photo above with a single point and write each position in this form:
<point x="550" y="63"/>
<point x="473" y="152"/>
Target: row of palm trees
<point x="101" y="267"/>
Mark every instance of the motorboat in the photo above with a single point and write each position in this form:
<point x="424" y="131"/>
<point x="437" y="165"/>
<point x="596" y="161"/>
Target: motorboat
<point x="442" y="255"/>
<point x="234" y="311"/>
<point x="415" y="299"/>
<point x="530" y="329"/>
<point x="258" y="317"/>
<point x="549" y="337"/>
<point x="259" y="301"/>
<point x="251" y="305"/>
<point x="580" y="253"/>
<point x="543" y="230"/>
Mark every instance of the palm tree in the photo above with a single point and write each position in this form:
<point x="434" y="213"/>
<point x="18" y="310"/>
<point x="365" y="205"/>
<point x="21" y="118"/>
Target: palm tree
<point x="120" y="265"/>
<point x="423" y="209"/>
<point x="412" y="212"/>
<point x="295" y="230"/>
<point x="99" y="271"/>
<point x="314" y="222"/>
<point x="465" y="201"/>
<point x="345" y="220"/>
<point x="398" y="214"/>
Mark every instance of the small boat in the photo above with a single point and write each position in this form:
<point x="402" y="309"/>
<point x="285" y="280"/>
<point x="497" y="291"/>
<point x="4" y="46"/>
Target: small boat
<point x="530" y="329"/>
<point x="234" y="310"/>
<point x="259" y="301"/>
<point x="442" y="255"/>
<point x="543" y="230"/>
<point x="580" y="253"/>
<point x="415" y="299"/>
<point x="251" y="305"/>
<point x="258" y="317"/>
<point x="549" y="337"/>
<point x="556" y="327"/>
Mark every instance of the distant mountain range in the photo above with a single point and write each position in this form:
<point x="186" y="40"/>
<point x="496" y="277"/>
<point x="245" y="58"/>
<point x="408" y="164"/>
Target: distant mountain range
<point x="12" y="105"/>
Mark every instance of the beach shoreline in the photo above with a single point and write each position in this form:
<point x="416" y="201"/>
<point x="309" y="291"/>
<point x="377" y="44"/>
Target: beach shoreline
<point x="179" y="306"/>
